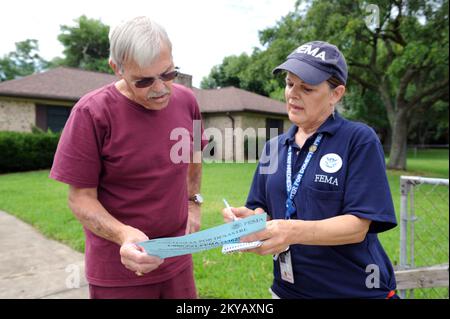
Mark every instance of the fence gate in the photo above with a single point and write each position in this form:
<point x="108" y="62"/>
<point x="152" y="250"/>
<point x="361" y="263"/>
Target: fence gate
<point x="424" y="240"/>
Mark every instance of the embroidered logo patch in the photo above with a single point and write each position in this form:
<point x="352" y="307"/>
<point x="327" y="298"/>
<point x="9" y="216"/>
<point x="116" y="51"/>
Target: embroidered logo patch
<point x="330" y="163"/>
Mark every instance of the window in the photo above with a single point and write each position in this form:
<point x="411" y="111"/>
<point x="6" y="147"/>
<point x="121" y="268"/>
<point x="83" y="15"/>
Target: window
<point x="273" y="124"/>
<point x="51" y="117"/>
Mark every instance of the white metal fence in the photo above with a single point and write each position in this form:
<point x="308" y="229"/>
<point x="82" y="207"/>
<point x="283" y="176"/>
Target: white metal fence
<point x="424" y="238"/>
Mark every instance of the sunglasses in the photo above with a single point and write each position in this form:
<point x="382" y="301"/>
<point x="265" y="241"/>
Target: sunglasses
<point x="146" y="82"/>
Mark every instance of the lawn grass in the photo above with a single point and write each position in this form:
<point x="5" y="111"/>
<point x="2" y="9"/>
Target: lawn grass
<point x="42" y="202"/>
<point x="428" y="162"/>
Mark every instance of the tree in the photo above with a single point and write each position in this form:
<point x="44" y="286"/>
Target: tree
<point x="237" y="71"/>
<point x="22" y="62"/>
<point x="86" y="45"/>
<point x="228" y="73"/>
<point x="404" y="58"/>
<point x="430" y="125"/>
<point x="396" y="50"/>
<point x="254" y="73"/>
<point x="366" y="106"/>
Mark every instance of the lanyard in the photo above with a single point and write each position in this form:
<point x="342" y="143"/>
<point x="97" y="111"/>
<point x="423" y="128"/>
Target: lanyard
<point x="293" y="188"/>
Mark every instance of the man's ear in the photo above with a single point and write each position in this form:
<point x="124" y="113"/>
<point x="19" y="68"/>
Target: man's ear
<point x="115" y="68"/>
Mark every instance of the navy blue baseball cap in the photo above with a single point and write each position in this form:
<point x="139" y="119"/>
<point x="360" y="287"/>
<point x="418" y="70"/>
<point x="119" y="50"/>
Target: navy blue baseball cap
<point x="315" y="62"/>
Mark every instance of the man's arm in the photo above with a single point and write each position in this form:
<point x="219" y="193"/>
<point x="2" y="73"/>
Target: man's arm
<point x="90" y="212"/>
<point x="194" y="178"/>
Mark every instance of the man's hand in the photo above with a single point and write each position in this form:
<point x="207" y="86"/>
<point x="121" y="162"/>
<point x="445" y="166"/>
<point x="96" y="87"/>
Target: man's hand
<point x="134" y="257"/>
<point x="194" y="219"/>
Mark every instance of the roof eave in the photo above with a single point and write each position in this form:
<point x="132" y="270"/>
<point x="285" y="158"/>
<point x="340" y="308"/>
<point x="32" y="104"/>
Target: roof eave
<point x="29" y="96"/>
<point x="244" y="110"/>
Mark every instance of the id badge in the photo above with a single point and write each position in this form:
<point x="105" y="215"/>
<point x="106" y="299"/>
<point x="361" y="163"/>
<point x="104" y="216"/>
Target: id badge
<point x="287" y="274"/>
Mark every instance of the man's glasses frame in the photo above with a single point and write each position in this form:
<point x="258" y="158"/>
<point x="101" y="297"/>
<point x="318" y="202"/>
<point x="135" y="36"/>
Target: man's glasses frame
<point x="147" y="82"/>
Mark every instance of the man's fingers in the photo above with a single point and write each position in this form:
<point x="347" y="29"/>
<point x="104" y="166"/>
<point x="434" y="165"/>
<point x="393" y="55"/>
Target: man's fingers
<point x="143" y="258"/>
<point x="141" y="267"/>
<point x="195" y="227"/>
<point x="140" y="248"/>
<point x="135" y="258"/>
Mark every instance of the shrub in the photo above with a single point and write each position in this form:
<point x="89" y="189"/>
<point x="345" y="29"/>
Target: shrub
<point x="27" y="151"/>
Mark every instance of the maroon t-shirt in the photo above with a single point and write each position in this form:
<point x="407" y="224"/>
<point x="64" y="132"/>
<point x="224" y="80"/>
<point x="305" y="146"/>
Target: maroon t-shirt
<point x="122" y="149"/>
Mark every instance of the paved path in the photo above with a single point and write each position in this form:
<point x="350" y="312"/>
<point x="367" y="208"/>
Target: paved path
<point x="34" y="267"/>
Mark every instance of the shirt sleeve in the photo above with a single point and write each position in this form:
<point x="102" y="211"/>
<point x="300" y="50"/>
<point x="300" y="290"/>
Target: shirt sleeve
<point x="367" y="192"/>
<point x="77" y="159"/>
<point x="256" y="196"/>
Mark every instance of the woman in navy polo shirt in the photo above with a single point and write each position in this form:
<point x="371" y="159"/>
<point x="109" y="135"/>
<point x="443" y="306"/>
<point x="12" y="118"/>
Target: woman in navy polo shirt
<point x="324" y="186"/>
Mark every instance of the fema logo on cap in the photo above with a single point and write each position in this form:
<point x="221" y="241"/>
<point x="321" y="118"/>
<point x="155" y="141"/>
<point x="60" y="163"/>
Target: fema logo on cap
<point x="330" y="163"/>
<point x="315" y="62"/>
<point x="310" y="50"/>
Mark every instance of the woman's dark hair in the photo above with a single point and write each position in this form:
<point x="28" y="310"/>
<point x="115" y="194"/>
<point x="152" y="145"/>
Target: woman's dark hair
<point x="333" y="82"/>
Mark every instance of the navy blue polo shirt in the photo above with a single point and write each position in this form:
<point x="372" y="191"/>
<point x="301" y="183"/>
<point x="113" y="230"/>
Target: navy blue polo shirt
<point x="346" y="175"/>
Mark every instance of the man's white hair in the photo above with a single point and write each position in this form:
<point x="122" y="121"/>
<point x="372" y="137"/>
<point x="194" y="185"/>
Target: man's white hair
<point x="137" y="40"/>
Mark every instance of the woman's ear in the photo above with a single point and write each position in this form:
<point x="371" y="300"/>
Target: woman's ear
<point x="337" y="94"/>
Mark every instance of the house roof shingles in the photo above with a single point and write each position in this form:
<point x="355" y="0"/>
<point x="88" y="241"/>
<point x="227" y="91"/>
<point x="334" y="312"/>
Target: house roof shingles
<point x="61" y="83"/>
<point x="71" y="84"/>
<point x="231" y="99"/>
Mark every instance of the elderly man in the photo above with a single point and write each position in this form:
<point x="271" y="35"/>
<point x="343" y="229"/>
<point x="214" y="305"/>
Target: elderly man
<point x="123" y="185"/>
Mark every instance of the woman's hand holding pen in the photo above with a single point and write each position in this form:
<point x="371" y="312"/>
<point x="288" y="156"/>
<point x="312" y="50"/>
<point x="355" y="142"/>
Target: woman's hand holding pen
<point x="232" y="213"/>
<point x="275" y="236"/>
<point x="275" y="230"/>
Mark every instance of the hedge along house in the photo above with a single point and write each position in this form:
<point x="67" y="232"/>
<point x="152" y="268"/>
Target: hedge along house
<point x="44" y="100"/>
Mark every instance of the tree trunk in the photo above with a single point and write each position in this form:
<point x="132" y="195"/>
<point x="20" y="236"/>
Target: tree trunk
<point x="399" y="138"/>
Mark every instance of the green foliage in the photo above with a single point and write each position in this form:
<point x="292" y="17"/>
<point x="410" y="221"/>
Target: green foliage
<point x="22" y="62"/>
<point x="430" y="125"/>
<point x="365" y="107"/>
<point x="86" y="45"/>
<point x="400" y="66"/>
<point x="27" y="151"/>
<point x="228" y="73"/>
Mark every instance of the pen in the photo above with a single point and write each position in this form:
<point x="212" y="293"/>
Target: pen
<point x="228" y="206"/>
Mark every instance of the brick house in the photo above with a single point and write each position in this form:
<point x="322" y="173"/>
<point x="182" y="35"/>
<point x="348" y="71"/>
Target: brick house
<point x="45" y="99"/>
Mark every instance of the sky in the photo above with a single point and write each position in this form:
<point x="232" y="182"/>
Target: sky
<point x="202" y="32"/>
